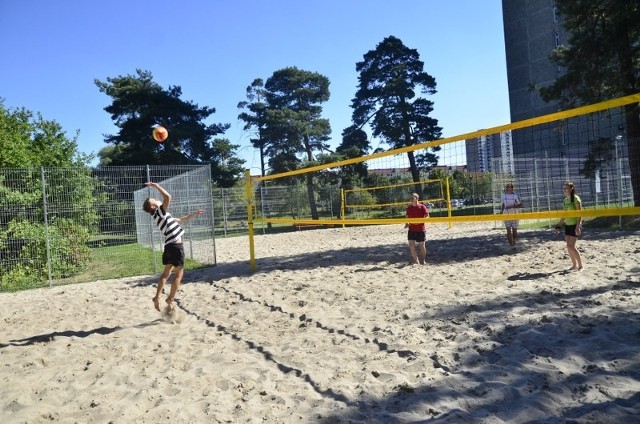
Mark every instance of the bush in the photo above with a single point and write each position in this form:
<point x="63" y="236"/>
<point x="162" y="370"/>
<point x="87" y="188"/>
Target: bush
<point x="24" y="252"/>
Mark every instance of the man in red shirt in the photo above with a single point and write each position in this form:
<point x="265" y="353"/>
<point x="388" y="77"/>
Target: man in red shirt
<point x="417" y="233"/>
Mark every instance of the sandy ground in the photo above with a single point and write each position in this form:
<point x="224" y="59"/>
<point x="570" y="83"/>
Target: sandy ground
<point x="335" y="326"/>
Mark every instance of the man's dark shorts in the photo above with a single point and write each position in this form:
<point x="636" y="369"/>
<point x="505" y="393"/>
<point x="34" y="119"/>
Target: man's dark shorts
<point x="173" y="254"/>
<point x="418" y="236"/>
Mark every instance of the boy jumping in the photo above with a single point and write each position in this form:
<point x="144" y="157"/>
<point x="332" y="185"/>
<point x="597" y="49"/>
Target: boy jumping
<point x="173" y="254"/>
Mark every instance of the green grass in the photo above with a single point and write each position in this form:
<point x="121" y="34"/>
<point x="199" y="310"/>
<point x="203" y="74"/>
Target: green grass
<point x="116" y="261"/>
<point x="126" y="260"/>
<point x="102" y="240"/>
<point x="463" y="211"/>
<point x="600" y="223"/>
<point x="613" y="222"/>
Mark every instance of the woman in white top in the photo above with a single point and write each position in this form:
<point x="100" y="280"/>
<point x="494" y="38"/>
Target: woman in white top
<point x="510" y="204"/>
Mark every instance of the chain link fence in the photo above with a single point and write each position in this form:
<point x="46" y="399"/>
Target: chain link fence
<point x="539" y="183"/>
<point x="270" y="201"/>
<point x="69" y="225"/>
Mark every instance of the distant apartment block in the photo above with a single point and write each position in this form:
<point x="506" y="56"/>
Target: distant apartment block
<point x="482" y="152"/>
<point x="532" y="30"/>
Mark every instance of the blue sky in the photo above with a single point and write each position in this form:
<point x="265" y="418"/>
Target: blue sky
<point x="53" y="50"/>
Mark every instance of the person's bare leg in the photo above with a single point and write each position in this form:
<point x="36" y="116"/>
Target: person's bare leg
<point x="574" y="254"/>
<point x="509" y="236"/>
<point x="422" y="248"/>
<point x="175" y="285"/>
<point x="412" y="251"/>
<point x="514" y="235"/>
<point x="161" y="282"/>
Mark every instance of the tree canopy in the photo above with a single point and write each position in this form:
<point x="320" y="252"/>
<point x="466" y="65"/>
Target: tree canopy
<point x="255" y="117"/>
<point x="29" y="143"/>
<point x="391" y="78"/>
<point x="29" y="140"/>
<point x="354" y="144"/>
<point x="601" y="62"/>
<point x="294" y="125"/>
<point x="287" y="115"/>
<point x="139" y="103"/>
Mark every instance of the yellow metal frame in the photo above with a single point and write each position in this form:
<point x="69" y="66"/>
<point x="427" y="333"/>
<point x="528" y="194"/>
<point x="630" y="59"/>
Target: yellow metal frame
<point x="344" y="192"/>
<point x="463" y="218"/>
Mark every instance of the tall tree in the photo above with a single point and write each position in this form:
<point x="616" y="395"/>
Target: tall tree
<point x="225" y="165"/>
<point x="386" y="99"/>
<point x="293" y="121"/>
<point x="601" y="61"/>
<point x="138" y="104"/>
<point x="255" y="117"/>
<point x="354" y="144"/>
<point x="29" y="140"/>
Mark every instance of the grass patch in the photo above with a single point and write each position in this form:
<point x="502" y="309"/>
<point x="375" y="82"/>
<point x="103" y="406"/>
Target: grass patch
<point x="597" y="223"/>
<point x="629" y="222"/>
<point x="126" y="260"/>
<point x="463" y="211"/>
<point x="104" y="240"/>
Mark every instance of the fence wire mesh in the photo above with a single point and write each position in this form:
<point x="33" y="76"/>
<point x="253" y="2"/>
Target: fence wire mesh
<point x="68" y="225"/>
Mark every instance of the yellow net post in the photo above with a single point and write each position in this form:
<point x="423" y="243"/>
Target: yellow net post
<point x="342" y="205"/>
<point x="446" y="182"/>
<point x="248" y="193"/>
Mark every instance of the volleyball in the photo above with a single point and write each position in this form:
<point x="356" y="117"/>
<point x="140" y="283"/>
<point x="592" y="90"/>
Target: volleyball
<point x="160" y="133"/>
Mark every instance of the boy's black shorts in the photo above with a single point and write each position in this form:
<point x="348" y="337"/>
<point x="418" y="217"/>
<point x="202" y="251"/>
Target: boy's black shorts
<point x="418" y="236"/>
<point x="173" y="254"/>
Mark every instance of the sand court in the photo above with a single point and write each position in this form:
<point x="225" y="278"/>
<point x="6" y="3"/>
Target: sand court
<point x="336" y="326"/>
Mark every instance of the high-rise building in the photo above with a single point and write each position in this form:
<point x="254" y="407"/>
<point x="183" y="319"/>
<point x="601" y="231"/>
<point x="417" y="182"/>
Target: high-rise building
<point x="532" y="31"/>
<point x="483" y="151"/>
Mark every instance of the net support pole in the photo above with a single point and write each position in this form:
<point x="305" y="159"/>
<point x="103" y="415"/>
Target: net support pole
<point x="342" y="207"/>
<point x="252" y="253"/>
<point x="446" y="180"/>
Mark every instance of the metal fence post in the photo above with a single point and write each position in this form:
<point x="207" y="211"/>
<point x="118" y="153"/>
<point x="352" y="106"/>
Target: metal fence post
<point x="213" y="217"/>
<point x="45" y="212"/>
<point x="189" y="210"/>
<point x="153" y="246"/>
<point x="262" y="201"/>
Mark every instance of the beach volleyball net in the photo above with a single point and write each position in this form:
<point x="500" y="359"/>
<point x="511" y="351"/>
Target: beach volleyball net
<point x="390" y="200"/>
<point x="594" y="146"/>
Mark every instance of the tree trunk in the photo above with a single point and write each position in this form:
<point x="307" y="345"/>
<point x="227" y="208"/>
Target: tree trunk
<point x="310" y="187"/>
<point x="415" y="174"/>
<point x="263" y="183"/>
<point x="312" y="198"/>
